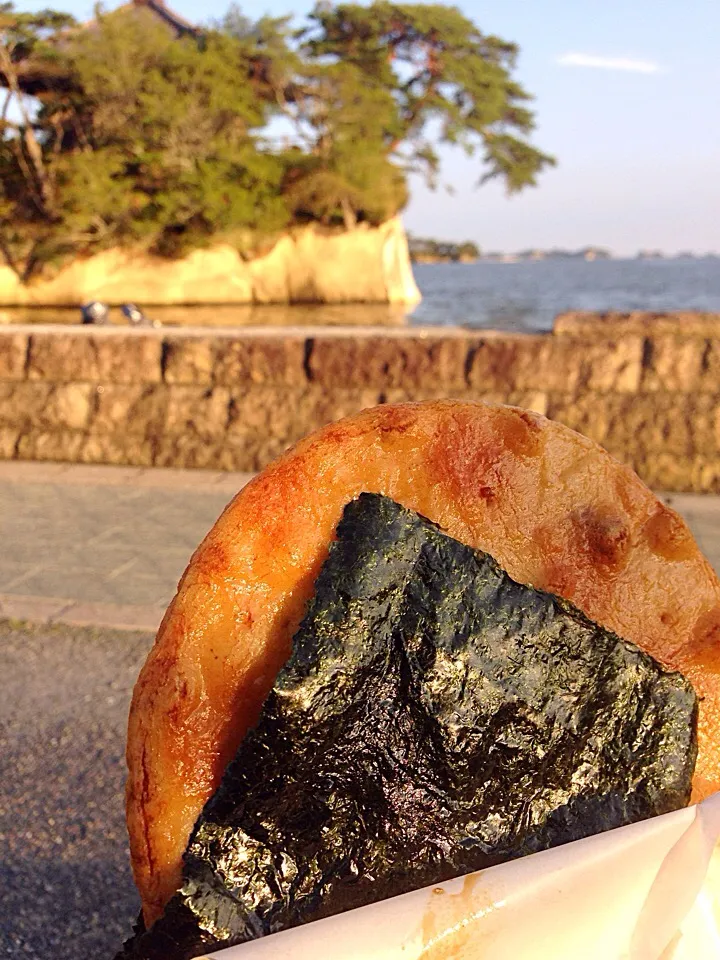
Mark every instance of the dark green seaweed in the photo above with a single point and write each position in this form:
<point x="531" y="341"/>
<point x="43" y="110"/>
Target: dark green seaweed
<point x="434" y="718"/>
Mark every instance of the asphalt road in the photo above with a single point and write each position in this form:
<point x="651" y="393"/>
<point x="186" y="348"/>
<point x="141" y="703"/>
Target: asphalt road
<point x="66" y="891"/>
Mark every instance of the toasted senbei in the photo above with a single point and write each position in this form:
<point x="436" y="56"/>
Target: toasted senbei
<point x="550" y="505"/>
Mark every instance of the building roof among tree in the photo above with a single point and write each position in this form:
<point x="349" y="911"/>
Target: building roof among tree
<point x="37" y="77"/>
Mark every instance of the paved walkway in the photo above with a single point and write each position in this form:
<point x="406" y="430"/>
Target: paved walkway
<point x="105" y="546"/>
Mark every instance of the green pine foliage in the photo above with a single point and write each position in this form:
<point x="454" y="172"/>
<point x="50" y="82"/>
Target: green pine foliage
<point x="442" y="73"/>
<point x="122" y="132"/>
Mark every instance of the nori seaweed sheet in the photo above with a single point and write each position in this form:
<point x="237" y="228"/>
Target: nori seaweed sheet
<point x="434" y="718"/>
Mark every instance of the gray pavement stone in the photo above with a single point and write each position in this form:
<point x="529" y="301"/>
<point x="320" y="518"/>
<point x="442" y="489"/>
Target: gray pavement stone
<point x="32" y="471"/>
<point x="41" y="610"/>
<point x="36" y="609"/>
<point x="101" y="538"/>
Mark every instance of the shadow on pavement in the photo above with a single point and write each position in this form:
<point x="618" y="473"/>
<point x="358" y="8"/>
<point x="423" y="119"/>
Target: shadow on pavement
<point x="65" y="911"/>
<point x="66" y="889"/>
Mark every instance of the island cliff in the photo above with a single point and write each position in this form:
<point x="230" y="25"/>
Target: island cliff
<point x="310" y="264"/>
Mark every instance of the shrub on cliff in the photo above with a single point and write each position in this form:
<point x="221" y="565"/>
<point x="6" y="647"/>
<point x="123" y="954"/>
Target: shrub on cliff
<point x="152" y="142"/>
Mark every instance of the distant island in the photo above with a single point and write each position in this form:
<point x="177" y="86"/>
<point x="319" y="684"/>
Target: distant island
<point x="441" y="251"/>
<point x="587" y="253"/>
<point x="684" y="255"/>
<point x="423" y="250"/>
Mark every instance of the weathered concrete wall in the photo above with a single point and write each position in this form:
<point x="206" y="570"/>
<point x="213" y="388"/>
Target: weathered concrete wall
<point x="234" y="400"/>
<point x="364" y="265"/>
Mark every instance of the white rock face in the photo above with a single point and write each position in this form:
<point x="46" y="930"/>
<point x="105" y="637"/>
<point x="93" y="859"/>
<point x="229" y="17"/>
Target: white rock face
<point x="307" y="265"/>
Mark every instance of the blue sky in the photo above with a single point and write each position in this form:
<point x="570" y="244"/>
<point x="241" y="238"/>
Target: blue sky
<point x="627" y="98"/>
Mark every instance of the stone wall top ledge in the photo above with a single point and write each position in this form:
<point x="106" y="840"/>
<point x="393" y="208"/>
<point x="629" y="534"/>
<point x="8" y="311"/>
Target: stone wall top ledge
<point x="602" y="325"/>
<point x="265" y="333"/>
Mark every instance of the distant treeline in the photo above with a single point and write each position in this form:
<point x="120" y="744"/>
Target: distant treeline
<point x="423" y="250"/>
<point x="139" y="129"/>
<point x="586" y="253"/>
<point x="440" y="251"/>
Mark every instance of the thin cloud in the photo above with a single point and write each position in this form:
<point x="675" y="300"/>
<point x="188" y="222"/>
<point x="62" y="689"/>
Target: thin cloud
<point x="608" y="63"/>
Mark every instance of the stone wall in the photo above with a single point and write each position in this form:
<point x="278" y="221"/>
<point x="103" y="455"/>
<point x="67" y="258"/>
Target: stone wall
<point x="306" y="265"/>
<point x="234" y="400"/>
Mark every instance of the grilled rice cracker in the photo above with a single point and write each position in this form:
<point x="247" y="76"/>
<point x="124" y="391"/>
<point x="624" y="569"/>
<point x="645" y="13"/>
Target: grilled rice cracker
<point x="555" y="510"/>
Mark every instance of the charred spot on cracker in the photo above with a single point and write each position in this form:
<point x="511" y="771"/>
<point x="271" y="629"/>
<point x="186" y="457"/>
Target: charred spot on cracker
<point x="604" y="534"/>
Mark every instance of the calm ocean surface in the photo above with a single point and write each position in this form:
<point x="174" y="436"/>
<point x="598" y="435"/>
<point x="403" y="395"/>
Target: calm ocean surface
<point x="503" y="296"/>
<point x="528" y="296"/>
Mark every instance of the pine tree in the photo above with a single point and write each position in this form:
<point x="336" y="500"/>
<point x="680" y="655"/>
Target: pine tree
<point x="122" y="133"/>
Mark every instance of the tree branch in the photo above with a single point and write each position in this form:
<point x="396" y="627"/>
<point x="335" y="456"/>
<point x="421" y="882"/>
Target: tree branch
<point x="7" y="256"/>
<point x="412" y="117"/>
<point x="31" y="142"/>
<point x="27" y="174"/>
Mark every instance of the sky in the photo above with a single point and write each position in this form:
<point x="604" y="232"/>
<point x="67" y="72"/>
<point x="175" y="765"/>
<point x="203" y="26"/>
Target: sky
<point x="627" y="98"/>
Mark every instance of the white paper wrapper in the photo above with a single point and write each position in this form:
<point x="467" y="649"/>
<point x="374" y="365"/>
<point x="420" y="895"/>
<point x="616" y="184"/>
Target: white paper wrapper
<point x="650" y="891"/>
